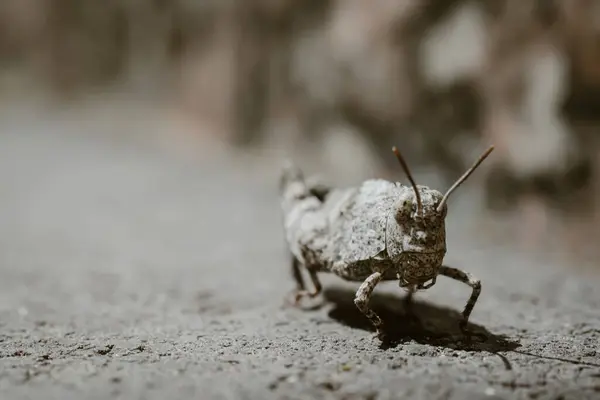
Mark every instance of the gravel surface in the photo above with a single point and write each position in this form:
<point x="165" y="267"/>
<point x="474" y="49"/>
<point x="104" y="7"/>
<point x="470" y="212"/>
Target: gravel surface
<point x="129" y="272"/>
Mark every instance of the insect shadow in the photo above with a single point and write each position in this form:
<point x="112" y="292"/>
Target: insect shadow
<point x="426" y="323"/>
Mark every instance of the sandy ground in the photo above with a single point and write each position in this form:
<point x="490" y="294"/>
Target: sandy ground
<point x="131" y="272"/>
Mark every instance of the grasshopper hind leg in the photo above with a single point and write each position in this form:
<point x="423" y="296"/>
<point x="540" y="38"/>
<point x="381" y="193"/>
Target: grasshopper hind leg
<point x="301" y="199"/>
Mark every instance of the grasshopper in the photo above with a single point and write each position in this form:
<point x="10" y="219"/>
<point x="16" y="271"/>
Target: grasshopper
<point x="376" y="231"/>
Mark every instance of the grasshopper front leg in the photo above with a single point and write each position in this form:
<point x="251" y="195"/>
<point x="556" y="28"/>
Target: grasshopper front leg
<point x="363" y="295"/>
<point x="474" y="283"/>
<point x="408" y="305"/>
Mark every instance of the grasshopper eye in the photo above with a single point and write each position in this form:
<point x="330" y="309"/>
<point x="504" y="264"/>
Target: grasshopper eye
<point x="404" y="210"/>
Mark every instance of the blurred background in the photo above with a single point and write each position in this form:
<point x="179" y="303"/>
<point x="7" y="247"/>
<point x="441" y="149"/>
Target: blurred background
<point x="333" y="84"/>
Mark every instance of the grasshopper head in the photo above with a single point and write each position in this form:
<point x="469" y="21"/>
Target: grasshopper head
<point x="424" y="236"/>
<point x="421" y="209"/>
<point x="421" y="214"/>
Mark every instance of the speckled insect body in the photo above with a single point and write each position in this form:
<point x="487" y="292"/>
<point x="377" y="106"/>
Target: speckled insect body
<point x="377" y="231"/>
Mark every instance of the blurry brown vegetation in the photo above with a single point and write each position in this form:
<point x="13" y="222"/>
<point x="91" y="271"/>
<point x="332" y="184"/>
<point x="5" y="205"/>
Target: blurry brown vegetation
<point x="440" y="77"/>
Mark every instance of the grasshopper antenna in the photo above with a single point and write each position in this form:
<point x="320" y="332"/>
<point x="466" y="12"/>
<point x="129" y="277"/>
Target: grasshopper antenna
<point x="410" y="178"/>
<point x="464" y="177"/>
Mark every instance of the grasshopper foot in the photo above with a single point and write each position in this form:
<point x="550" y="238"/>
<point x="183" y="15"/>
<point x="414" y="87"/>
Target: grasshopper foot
<point x="295" y="297"/>
<point x="290" y="299"/>
<point x="380" y="334"/>
<point x="298" y="295"/>
<point x="470" y="334"/>
<point x="318" y="288"/>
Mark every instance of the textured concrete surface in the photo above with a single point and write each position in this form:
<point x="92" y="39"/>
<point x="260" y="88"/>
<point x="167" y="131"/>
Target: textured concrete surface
<point x="129" y="272"/>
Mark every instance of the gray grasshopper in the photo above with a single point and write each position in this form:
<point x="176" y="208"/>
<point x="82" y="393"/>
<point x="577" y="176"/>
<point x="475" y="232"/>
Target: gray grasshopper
<point x="377" y="231"/>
